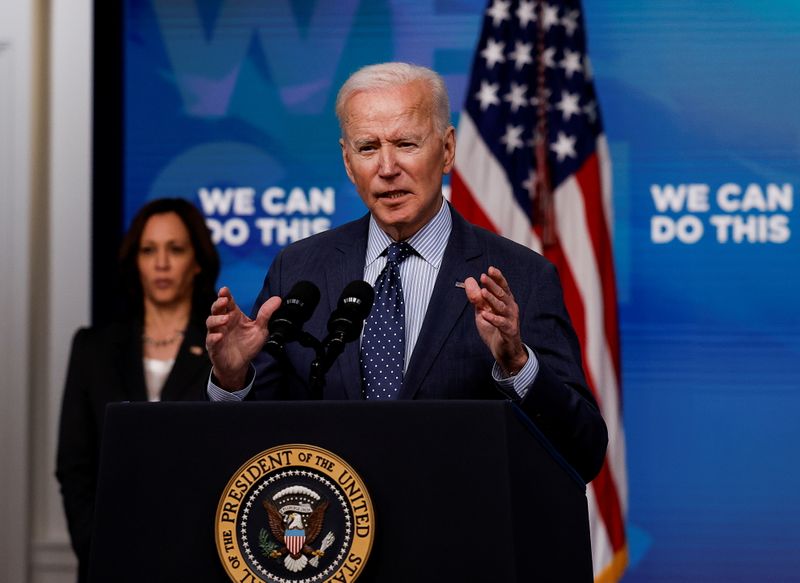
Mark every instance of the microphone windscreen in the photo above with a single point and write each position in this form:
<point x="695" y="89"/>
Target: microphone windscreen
<point x="353" y="308"/>
<point x="294" y="311"/>
<point x="357" y="297"/>
<point x="301" y="301"/>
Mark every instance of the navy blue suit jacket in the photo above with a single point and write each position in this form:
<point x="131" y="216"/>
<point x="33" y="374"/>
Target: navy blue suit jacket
<point x="450" y="361"/>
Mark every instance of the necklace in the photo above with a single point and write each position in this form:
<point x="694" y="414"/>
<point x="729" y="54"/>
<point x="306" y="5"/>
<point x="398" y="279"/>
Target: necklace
<point x="160" y="342"/>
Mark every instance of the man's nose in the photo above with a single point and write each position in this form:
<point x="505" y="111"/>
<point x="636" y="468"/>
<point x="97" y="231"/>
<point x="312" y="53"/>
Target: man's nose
<point x="387" y="162"/>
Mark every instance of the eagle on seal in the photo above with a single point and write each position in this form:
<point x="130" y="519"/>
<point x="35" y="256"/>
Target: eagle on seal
<point x="294" y="536"/>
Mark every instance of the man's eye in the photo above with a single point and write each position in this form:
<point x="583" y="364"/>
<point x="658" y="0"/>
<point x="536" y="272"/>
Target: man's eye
<point x="146" y="250"/>
<point x="366" y="149"/>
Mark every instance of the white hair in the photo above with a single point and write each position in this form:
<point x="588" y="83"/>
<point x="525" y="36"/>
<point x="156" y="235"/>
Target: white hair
<point x="388" y="75"/>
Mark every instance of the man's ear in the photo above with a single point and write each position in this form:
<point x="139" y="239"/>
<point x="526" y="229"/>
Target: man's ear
<point x="449" y="149"/>
<point x="346" y="160"/>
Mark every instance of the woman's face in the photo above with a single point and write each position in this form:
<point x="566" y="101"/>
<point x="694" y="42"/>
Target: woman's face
<point x="166" y="260"/>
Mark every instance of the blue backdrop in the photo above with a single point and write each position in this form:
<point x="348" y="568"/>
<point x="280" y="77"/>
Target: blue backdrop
<point x="231" y="106"/>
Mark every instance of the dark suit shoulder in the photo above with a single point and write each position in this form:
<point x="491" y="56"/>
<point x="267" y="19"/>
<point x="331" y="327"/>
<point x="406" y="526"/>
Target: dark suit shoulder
<point x="101" y="338"/>
<point x="509" y="256"/>
<point x="502" y="245"/>
<point x="342" y="235"/>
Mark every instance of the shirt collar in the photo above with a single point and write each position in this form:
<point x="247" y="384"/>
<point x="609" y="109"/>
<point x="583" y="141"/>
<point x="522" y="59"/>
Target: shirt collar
<point x="429" y="242"/>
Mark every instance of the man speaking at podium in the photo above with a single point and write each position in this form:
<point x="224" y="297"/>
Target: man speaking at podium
<point x="459" y="312"/>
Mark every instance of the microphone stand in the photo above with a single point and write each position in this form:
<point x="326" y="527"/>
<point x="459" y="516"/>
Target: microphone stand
<point x="335" y="344"/>
<point x="316" y="376"/>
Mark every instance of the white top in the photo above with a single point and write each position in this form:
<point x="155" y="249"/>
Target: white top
<point x="155" y="375"/>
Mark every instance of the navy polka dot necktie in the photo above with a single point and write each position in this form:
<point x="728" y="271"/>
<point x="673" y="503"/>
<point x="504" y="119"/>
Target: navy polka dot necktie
<point x="383" y="347"/>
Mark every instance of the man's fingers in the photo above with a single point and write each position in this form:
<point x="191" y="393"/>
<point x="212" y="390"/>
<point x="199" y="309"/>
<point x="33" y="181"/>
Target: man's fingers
<point x="491" y="286"/>
<point x="495" y="282"/>
<point x="225" y="299"/>
<point x="220" y="306"/>
<point x="484" y="298"/>
<point x="494" y="319"/>
<point x="213" y="321"/>
<point x="224" y="302"/>
<point x="473" y="291"/>
<point x="495" y="303"/>
<point x="498" y="277"/>
<point x="266" y="310"/>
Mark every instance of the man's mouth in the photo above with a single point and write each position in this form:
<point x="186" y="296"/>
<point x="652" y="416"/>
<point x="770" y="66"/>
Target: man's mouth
<point x="392" y="194"/>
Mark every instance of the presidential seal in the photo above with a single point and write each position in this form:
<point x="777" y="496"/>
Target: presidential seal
<point x="294" y="514"/>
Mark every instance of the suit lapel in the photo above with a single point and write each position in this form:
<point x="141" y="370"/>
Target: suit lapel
<point x="347" y="265"/>
<point x="447" y="303"/>
<point x="128" y="347"/>
<point x="190" y="362"/>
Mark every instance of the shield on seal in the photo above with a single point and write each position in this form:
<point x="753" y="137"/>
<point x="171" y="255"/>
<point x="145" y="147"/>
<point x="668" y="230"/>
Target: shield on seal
<point x="295" y="539"/>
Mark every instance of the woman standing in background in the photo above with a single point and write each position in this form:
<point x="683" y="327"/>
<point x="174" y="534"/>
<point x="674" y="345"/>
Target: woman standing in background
<point x="154" y="352"/>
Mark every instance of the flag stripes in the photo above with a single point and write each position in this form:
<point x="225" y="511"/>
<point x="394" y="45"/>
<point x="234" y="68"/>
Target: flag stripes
<point x="530" y="70"/>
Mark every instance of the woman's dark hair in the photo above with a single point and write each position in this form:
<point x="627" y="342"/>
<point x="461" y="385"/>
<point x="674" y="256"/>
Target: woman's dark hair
<point x="205" y="253"/>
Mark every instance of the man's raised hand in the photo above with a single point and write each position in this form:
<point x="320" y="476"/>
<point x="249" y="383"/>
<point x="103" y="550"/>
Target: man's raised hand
<point x="233" y="339"/>
<point x="497" y="319"/>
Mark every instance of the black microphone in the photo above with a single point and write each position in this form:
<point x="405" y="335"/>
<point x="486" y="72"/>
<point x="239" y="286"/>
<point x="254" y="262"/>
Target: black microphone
<point x="286" y="324"/>
<point x="344" y="325"/>
<point x="347" y="320"/>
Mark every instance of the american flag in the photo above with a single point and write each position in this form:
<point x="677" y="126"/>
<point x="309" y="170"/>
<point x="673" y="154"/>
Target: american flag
<point x="532" y="164"/>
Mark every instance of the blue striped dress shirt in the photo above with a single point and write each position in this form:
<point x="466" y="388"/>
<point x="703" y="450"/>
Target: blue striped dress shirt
<point x="417" y="273"/>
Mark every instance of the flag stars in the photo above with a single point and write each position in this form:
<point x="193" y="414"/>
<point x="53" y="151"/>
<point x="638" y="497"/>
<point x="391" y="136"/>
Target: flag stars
<point x="550" y="16"/>
<point x="564" y="147"/>
<point x="488" y="95"/>
<point x="517" y="97"/>
<point x="568" y="106"/>
<point x="493" y="53"/>
<point x="513" y="138"/>
<point x="549" y="57"/>
<point x="499" y="12"/>
<point x="561" y="130"/>
<point x="571" y="63"/>
<point x="526" y="13"/>
<point x="521" y="55"/>
<point x="529" y="183"/>
<point x="570" y="22"/>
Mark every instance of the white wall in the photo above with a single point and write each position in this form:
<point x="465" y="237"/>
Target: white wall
<point x="45" y="223"/>
<point x="68" y="220"/>
<point x="14" y="260"/>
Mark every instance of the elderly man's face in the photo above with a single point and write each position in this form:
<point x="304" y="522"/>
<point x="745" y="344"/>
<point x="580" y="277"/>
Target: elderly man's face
<point x="395" y="156"/>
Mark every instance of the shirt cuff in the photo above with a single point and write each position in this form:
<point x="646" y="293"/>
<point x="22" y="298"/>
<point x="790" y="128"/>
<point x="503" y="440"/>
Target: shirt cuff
<point x="218" y="394"/>
<point x="519" y="384"/>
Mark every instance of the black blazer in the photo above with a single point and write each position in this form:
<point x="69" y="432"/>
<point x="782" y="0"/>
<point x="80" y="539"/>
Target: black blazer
<point x="105" y="366"/>
<point x="450" y="361"/>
